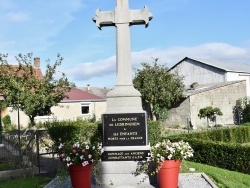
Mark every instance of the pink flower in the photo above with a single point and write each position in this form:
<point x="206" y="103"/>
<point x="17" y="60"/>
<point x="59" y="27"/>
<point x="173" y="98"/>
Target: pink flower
<point x="85" y="163"/>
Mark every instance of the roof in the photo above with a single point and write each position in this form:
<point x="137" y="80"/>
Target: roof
<point x="207" y="87"/>
<point x="226" y="66"/>
<point x="37" y="71"/>
<point x="76" y="94"/>
<point x="101" y="92"/>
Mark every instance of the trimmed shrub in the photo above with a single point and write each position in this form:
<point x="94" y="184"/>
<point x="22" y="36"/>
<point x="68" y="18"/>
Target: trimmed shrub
<point x="154" y="132"/>
<point x="73" y="131"/>
<point x="222" y="148"/>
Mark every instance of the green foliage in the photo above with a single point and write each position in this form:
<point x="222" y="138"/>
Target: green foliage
<point x="6" y="120"/>
<point x="25" y="88"/>
<point x="154" y="132"/>
<point x="222" y="148"/>
<point x="7" y="123"/>
<point x="74" y="131"/>
<point x="209" y="112"/>
<point x="34" y="182"/>
<point x="246" y="124"/>
<point x="159" y="88"/>
<point x="222" y="178"/>
<point x="242" y="110"/>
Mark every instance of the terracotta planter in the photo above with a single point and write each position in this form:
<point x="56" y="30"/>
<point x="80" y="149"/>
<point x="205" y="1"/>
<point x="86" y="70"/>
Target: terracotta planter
<point x="169" y="174"/>
<point x="80" y="176"/>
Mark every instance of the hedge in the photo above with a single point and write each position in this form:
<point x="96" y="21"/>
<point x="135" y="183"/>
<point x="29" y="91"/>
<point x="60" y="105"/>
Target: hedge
<point x="225" y="152"/>
<point x="72" y="131"/>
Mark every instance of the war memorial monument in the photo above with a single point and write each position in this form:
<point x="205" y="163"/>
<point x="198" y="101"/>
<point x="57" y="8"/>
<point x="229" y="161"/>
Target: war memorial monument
<point x="125" y="137"/>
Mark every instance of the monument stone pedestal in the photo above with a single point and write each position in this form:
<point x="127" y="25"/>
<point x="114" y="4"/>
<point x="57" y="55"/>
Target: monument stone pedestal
<point x="125" y="136"/>
<point x="125" y="142"/>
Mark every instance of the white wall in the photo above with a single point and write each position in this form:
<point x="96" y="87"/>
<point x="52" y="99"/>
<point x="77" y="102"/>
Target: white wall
<point x="233" y="76"/>
<point x="65" y="111"/>
<point x="197" y="72"/>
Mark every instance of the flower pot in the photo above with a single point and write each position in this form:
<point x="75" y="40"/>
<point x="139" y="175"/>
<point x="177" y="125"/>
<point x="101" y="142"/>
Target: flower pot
<point x="169" y="173"/>
<point x="80" y="176"/>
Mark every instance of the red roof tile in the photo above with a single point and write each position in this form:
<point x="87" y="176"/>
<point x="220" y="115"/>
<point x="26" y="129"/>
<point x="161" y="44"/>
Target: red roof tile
<point x="79" y="95"/>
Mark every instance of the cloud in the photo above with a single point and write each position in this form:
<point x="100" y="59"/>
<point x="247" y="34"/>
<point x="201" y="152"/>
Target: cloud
<point x="33" y="24"/>
<point x="85" y="71"/>
<point x="170" y="56"/>
<point x="19" y="16"/>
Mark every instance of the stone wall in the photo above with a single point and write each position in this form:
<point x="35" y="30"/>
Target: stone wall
<point x="222" y="97"/>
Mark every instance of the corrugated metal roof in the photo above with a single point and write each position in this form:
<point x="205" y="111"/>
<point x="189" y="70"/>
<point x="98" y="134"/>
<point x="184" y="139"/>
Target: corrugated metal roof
<point x="80" y="95"/>
<point x="227" y="66"/>
<point x="207" y="87"/>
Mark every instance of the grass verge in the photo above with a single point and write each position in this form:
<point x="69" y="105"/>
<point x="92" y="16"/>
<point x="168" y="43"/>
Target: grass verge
<point x="36" y="182"/>
<point x="221" y="177"/>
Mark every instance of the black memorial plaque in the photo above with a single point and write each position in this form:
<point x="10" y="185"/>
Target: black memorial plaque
<point x="124" y="129"/>
<point x="124" y="155"/>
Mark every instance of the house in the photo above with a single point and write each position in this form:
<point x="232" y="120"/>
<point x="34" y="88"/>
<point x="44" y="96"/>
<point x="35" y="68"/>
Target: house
<point x="77" y="104"/>
<point x="222" y="95"/>
<point x="204" y="71"/>
<point x="209" y="83"/>
<point x="101" y="92"/>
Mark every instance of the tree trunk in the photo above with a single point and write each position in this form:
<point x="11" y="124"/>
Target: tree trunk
<point x="32" y="121"/>
<point x="152" y="112"/>
<point x="207" y="123"/>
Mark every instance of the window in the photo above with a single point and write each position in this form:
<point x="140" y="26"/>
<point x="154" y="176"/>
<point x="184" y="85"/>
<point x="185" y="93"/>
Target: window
<point x="85" y="108"/>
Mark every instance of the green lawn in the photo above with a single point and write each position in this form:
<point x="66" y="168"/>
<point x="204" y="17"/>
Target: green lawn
<point x="36" y="182"/>
<point x="221" y="177"/>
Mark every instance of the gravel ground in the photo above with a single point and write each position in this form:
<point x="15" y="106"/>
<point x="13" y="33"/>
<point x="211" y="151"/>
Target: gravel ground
<point x="186" y="180"/>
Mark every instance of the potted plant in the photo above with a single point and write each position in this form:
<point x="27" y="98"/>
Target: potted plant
<point x="166" y="158"/>
<point x="80" y="158"/>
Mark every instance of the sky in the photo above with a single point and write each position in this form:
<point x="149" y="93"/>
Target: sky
<point x="208" y="29"/>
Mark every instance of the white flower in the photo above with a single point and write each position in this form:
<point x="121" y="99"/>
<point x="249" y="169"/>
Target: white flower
<point x="60" y="146"/>
<point x="68" y="159"/>
<point x="68" y="164"/>
<point x="170" y="156"/>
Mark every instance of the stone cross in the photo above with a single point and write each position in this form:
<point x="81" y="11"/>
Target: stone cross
<point x="122" y="17"/>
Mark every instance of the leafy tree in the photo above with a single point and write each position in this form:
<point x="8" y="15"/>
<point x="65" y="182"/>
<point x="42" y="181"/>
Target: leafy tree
<point x="242" y="110"/>
<point x="209" y="112"/>
<point x="159" y="88"/>
<point x="24" y="89"/>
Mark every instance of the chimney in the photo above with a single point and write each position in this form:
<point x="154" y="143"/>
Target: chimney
<point x="88" y="88"/>
<point x="37" y="62"/>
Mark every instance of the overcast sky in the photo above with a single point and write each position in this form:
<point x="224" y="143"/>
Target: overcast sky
<point x="212" y="29"/>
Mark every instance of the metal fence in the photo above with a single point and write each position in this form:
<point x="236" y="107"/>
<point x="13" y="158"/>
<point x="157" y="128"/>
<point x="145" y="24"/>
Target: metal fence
<point x="27" y="149"/>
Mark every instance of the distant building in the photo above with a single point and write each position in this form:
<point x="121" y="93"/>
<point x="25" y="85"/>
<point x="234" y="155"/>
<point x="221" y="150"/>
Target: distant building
<point x="78" y="104"/>
<point x="209" y="83"/>
<point x="204" y="71"/>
